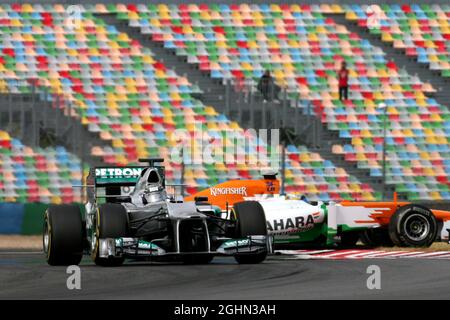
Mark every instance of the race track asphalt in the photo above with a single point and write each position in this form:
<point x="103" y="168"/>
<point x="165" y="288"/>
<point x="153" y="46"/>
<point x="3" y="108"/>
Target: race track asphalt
<point x="25" y="275"/>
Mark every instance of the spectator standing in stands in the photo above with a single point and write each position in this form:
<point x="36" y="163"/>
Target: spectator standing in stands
<point x="268" y="87"/>
<point x="343" y="81"/>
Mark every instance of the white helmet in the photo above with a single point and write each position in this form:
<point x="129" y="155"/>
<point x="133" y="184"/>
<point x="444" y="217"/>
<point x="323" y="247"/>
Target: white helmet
<point x="154" y="191"/>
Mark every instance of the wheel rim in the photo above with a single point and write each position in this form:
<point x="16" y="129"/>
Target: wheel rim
<point x="417" y="227"/>
<point x="95" y="236"/>
<point x="46" y="237"/>
<point x="94" y="245"/>
<point x="93" y="241"/>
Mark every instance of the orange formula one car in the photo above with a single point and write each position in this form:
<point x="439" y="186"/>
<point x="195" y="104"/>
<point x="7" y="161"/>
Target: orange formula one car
<point x="297" y="221"/>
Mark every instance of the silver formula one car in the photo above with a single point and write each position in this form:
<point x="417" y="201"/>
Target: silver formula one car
<point x="129" y="214"/>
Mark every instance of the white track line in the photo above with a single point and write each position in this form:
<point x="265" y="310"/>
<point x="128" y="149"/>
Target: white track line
<point x="285" y="252"/>
<point x="405" y="254"/>
<point x="382" y="254"/>
<point x="305" y="252"/>
<point x="431" y="254"/>
<point x="362" y="255"/>
<point x="335" y="254"/>
<point x="314" y="252"/>
<point x="288" y="252"/>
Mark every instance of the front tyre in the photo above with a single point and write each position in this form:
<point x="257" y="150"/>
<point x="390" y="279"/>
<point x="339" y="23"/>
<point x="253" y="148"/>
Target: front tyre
<point x="250" y="221"/>
<point x="112" y="222"/>
<point x="63" y="235"/>
<point x="413" y="226"/>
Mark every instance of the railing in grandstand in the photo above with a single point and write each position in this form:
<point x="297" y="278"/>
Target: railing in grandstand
<point x="33" y="113"/>
<point x="273" y="107"/>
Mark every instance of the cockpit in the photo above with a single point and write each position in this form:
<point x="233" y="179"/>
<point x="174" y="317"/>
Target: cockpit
<point x="149" y="188"/>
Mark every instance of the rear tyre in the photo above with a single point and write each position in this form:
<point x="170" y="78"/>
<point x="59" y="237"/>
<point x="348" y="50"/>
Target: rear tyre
<point x="63" y="235"/>
<point x="413" y="226"/>
<point x="377" y="237"/>
<point x="112" y="222"/>
<point x="251" y="221"/>
<point x="349" y="239"/>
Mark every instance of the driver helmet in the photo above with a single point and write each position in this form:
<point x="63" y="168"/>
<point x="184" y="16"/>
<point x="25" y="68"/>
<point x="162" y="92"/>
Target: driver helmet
<point x="154" y="191"/>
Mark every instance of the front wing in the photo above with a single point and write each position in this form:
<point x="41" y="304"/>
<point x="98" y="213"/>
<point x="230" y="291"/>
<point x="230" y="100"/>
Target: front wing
<point x="136" y="248"/>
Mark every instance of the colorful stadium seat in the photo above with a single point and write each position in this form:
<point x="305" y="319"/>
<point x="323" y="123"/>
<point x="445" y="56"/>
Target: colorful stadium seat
<point x="421" y="30"/>
<point x="135" y="102"/>
<point x="303" y="48"/>
<point x="41" y="175"/>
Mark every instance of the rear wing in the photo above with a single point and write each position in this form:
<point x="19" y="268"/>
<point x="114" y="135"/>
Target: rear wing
<point x="123" y="176"/>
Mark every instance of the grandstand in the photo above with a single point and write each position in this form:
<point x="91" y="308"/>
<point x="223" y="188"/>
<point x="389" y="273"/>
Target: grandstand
<point x="111" y="70"/>
<point x="422" y="31"/>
